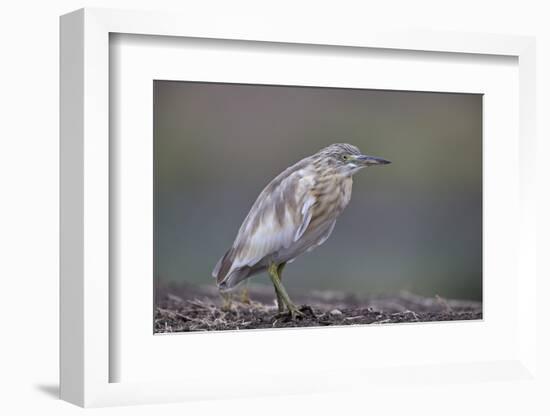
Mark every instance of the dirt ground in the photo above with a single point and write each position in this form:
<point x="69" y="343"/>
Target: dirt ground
<point x="190" y="308"/>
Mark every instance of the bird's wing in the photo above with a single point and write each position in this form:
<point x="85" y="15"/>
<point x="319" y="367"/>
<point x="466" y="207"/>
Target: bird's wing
<point x="278" y="218"/>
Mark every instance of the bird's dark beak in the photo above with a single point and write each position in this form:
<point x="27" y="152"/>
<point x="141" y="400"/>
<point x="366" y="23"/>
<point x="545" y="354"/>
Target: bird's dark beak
<point x="371" y="160"/>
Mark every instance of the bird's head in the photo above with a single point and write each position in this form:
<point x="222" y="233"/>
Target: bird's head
<point x="347" y="159"/>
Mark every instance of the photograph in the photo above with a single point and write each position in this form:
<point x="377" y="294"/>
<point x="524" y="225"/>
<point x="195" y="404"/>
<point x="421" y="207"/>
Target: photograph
<point x="281" y="206"/>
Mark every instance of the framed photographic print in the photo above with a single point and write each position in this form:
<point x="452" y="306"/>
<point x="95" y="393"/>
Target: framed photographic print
<point x="420" y="230"/>
<point x="312" y="203"/>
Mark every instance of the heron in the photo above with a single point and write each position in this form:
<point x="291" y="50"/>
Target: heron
<point x="295" y="213"/>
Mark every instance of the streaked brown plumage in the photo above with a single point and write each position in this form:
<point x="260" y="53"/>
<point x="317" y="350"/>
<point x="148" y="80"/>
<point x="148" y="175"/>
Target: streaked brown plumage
<point x="295" y="213"/>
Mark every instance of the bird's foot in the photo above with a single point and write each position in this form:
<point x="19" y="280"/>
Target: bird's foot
<point x="294" y="313"/>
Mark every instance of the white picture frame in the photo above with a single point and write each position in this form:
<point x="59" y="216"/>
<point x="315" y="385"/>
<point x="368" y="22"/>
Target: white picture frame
<point x="86" y="163"/>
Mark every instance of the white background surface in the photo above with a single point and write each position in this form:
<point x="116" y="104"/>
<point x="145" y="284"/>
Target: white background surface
<point x="139" y="63"/>
<point x="29" y="209"/>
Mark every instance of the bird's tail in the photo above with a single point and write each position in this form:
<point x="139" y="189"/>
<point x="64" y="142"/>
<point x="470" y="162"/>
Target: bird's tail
<point x="226" y="277"/>
<point x="224" y="265"/>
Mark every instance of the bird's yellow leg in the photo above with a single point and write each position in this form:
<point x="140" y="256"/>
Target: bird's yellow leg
<point x="273" y="271"/>
<point x="280" y="302"/>
<point x="227" y="301"/>
<point x="245" y="294"/>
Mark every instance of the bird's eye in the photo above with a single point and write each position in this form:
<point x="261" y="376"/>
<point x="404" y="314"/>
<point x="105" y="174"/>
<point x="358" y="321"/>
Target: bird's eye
<point x="345" y="157"/>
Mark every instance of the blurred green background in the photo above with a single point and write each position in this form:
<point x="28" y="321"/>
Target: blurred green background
<point x="413" y="225"/>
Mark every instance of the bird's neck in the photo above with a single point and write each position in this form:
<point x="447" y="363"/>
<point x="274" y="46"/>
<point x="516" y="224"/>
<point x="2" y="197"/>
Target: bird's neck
<point x="344" y="184"/>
